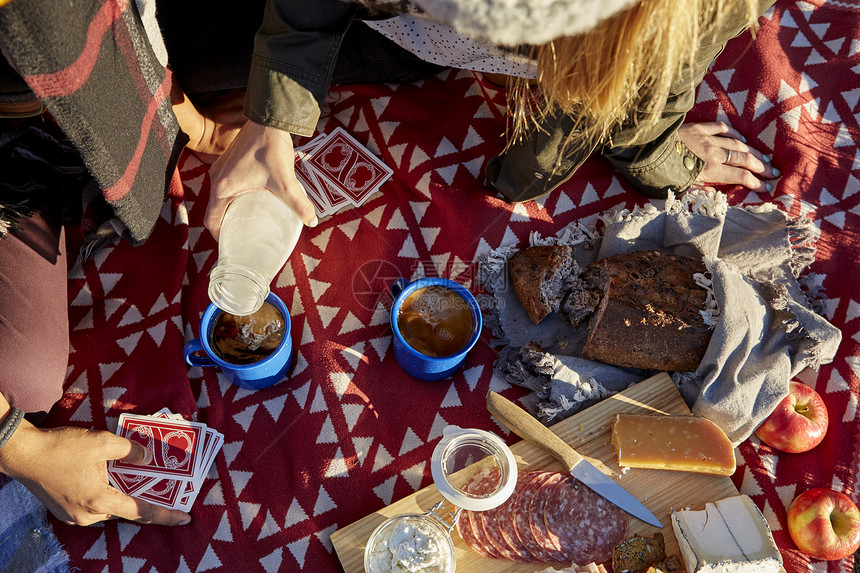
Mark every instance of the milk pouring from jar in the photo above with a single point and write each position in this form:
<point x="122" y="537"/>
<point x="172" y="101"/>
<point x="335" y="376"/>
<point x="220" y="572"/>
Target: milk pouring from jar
<point x="258" y="233"/>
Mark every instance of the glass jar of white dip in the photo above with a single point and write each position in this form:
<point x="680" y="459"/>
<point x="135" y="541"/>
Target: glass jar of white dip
<point x="410" y="543"/>
<point x="421" y="542"/>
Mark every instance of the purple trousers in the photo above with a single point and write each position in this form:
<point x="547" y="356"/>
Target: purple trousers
<point x="34" y="319"/>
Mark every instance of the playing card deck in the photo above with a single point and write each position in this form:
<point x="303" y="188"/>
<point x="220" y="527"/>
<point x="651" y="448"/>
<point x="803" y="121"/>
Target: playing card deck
<point x="182" y="453"/>
<point x="337" y="171"/>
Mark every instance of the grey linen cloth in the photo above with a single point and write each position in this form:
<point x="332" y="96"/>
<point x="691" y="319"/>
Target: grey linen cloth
<point x="764" y="311"/>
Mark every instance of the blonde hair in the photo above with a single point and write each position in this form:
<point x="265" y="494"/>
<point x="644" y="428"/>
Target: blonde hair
<point x="622" y="70"/>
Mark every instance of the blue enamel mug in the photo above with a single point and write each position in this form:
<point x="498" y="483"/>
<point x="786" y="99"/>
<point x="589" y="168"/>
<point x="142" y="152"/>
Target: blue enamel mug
<point x="415" y="363"/>
<point x="255" y="376"/>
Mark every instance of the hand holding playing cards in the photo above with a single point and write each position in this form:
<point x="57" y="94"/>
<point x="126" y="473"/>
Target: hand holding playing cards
<point x="260" y="158"/>
<point x="66" y="469"/>
<point x="183" y="452"/>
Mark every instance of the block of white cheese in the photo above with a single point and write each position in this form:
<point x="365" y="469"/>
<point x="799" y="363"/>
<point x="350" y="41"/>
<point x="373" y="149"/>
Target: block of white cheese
<point x="728" y="536"/>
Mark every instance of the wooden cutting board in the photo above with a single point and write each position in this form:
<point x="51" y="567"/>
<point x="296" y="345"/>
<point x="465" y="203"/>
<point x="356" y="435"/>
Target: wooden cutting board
<point x="589" y="433"/>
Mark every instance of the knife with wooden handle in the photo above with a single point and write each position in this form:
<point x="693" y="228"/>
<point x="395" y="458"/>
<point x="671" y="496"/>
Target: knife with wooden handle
<point x="525" y="426"/>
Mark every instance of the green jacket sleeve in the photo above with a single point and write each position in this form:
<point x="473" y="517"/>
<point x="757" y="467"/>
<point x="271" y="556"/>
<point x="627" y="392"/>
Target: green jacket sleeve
<point x="295" y="51"/>
<point x="653" y="158"/>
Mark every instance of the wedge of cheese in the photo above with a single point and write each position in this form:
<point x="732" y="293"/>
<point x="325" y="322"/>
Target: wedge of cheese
<point x="680" y="443"/>
<point x="728" y="536"/>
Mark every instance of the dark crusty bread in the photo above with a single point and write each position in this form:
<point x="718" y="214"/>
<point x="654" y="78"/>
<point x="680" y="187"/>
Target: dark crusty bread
<point x="636" y="554"/>
<point x="580" y="302"/>
<point x="649" y="265"/>
<point x="651" y="275"/>
<point x="649" y="313"/>
<point x="668" y="565"/>
<point x="539" y="276"/>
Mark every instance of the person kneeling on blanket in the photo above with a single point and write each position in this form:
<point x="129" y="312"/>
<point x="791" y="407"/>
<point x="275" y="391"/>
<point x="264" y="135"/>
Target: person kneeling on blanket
<point x="613" y="77"/>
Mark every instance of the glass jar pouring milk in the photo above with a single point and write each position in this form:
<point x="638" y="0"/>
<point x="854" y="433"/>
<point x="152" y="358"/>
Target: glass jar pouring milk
<point x="258" y="233"/>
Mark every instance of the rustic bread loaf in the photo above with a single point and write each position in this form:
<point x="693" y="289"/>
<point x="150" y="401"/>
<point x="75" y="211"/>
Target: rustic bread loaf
<point x="668" y="565"/>
<point x="635" y="554"/>
<point x="649" y="274"/>
<point x="639" y="554"/>
<point x="649" y="313"/>
<point x="540" y="276"/>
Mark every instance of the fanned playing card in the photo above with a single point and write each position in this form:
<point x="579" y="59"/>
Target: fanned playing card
<point x="130" y="484"/>
<point x="177" y="446"/>
<point x="164" y="492"/>
<point x="314" y="188"/>
<point x="173" y="443"/>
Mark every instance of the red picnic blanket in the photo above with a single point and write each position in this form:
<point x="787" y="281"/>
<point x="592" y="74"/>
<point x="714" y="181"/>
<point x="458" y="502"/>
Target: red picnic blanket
<point x="349" y="433"/>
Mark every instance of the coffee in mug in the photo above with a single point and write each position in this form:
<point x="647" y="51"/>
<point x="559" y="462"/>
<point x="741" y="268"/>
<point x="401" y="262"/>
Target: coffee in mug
<point x="247" y="339"/>
<point x="435" y="321"/>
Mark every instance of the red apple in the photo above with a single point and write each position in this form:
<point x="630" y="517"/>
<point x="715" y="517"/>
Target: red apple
<point x="798" y="423"/>
<point x="824" y="524"/>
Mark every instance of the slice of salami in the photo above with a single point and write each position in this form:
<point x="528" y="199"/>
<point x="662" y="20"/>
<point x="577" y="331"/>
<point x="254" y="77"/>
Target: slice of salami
<point x="482" y="482"/>
<point x="586" y="525"/>
<point x="548" y="541"/>
<point x="506" y="525"/>
<point x="466" y="530"/>
<point x="491" y="524"/>
<point x="520" y="515"/>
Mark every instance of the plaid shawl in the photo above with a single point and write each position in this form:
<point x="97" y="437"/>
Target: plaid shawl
<point x="92" y="66"/>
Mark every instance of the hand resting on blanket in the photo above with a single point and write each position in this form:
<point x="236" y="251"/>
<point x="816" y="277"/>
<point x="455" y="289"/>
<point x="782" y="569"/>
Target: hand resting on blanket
<point x="260" y="158"/>
<point x="66" y="469"/>
<point x="728" y="159"/>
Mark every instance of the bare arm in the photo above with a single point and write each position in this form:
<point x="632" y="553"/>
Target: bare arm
<point x="212" y="126"/>
<point x="66" y="469"/>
